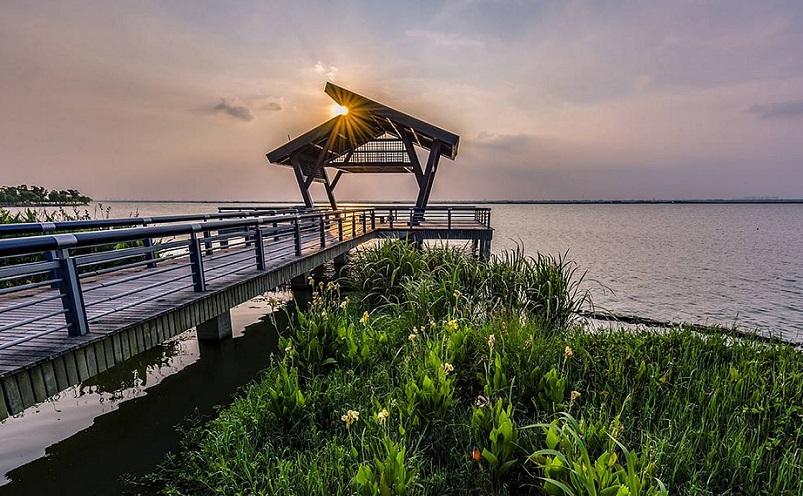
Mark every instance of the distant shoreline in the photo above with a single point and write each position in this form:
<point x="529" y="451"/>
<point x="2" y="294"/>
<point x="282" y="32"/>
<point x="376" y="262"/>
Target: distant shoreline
<point x="45" y="204"/>
<point x="746" y="201"/>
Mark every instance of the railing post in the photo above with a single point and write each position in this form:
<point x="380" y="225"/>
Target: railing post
<point x="148" y="243"/>
<point x="449" y="218"/>
<point x="353" y="225"/>
<point x="323" y="230"/>
<point x="197" y="264"/>
<point x="208" y="242"/>
<point x="297" y="235"/>
<point x="364" y="221"/>
<point x="373" y="220"/>
<point x="247" y="235"/>
<point x="72" y="298"/>
<point x="259" y="247"/>
<point x="339" y="226"/>
<point x="275" y="228"/>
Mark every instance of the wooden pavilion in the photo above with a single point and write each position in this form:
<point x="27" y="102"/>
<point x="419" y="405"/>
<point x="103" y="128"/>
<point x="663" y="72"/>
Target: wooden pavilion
<point x="369" y="138"/>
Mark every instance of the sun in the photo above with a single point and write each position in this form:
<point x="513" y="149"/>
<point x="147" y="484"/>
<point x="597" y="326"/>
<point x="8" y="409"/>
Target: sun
<point x="336" y="110"/>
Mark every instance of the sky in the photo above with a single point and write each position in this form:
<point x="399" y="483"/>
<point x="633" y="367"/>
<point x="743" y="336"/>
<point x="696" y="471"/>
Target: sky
<point x="171" y="100"/>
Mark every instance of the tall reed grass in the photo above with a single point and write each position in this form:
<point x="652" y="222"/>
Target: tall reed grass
<point x="418" y="386"/>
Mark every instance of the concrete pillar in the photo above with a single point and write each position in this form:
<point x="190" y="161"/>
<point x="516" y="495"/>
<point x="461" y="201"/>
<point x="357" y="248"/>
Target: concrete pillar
<point x="215" y="329"/>
<point x="341" y="260"/>
<point x="300" y="282"/>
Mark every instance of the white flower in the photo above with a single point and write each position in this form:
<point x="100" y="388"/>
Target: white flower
<point x="574" y="395"/>
<point x="447" y="368"/>
<point x="568" y="352"/>
<point x="350" y="417"/>
<point x="382" y="416"/>
<point x="491" y="342"/>
<point x="412" y="337"/>
<point x="364" y="318"/>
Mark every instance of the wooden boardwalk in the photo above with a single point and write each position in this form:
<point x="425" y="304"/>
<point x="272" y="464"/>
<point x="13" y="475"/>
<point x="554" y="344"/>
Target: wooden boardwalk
<point x="131" y="309"/>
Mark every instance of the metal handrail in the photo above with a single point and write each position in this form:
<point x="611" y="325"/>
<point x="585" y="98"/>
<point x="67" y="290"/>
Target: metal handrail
<point x="242" y="242"/>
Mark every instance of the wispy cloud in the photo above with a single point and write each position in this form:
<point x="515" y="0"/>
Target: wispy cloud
<point x="509" y="142"/>
<point x="445" y="39"/>
<point x="779" y="110"/>
<point x="234" y="110"/>
<point x="329" y="70"/>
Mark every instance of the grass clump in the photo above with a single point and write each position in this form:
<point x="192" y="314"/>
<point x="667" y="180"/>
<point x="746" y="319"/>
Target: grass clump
<point x="453" y="375"/>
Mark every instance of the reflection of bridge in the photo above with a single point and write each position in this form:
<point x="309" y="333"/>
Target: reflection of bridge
<point x="78" y="297"/>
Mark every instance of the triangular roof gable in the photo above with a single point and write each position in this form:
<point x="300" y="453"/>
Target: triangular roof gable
<point x="366" y="120"/>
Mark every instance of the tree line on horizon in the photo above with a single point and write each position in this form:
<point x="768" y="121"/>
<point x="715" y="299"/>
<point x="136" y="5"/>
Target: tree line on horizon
<point x="37" y="195"/>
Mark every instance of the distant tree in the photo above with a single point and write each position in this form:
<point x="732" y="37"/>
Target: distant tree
<point x="36" y="195"/>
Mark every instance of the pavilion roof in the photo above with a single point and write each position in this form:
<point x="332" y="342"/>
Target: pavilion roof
<point x="362" y="140"/>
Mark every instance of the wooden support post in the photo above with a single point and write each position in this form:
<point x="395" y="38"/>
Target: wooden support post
<point x="323" y="230"/>
<point x="72" y="298"/>
<point x="296" y="161"/>
<point x="336" y="180"/>
<point x="408" y="145"/>
<point x="339" y="226"/>
<point x="197" y="264"/>
<point x="429" y="177"/>
<point x="330" y="190"/>
<point x="373" y="219"/>
<point x="353" y="226"/>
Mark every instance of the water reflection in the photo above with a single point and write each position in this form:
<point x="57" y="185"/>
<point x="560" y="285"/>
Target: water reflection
<point x="124" y="420"/>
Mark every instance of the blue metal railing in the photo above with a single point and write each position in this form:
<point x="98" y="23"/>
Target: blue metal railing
<point x="70" y="280"/>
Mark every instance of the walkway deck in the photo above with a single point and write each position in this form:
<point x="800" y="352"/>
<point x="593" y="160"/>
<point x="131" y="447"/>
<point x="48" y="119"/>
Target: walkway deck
<point x="147" y="290"/>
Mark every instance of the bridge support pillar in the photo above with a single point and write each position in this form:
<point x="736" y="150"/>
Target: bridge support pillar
<point x="215" y="329"/>
<point x="300" y="282"/>
<point x="340" y="261"/>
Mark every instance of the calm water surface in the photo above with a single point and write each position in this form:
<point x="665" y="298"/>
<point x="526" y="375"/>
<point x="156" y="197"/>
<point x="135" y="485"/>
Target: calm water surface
<point x="723" y="264"/>
<point x="125" y="420"/>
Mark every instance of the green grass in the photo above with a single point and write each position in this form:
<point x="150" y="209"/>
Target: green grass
<point x="472" y="377"/>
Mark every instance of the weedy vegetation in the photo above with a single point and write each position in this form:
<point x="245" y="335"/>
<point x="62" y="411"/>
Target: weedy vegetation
<point x="444" y="374"/>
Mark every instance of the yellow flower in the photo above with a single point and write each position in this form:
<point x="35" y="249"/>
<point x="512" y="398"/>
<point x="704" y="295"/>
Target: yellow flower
<point x="382" y="416"/>
<point x="481" y="401"/>
<point x="574" y="395"/>
<point x="568" y="352"/>
<point x="491" y="342"/>
<point x="447" y="368"/>
<point x="364" y="318"/>
<point x="288" y="349"/>
<point x="344" y="303"/>
<point x="452" y="325"/>
<point x="350" y="417"/>
<point x="412" y="337"/>
<point x="457" y="294"/>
